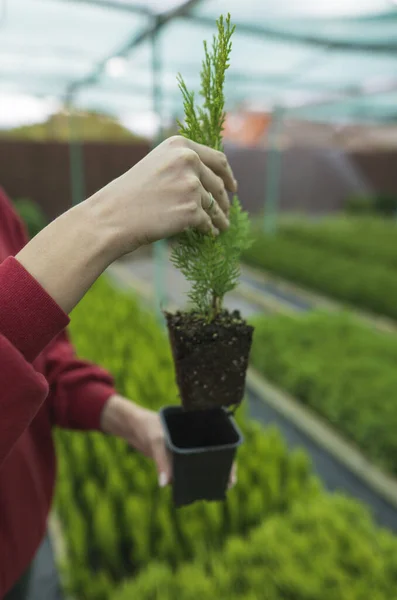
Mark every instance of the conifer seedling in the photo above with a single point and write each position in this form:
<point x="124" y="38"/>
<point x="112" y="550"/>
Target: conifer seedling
<point x="210" y="345"/>
<point x="211" y="263"/>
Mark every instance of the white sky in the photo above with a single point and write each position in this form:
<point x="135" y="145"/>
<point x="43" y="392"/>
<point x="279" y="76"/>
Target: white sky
<point x="18" y="109"/>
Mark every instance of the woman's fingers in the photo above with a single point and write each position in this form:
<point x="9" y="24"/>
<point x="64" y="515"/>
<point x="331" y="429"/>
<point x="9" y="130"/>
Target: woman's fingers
<point x="214" y="174"/>
<point x="205" y="225"/>
<point x="233" y="476"/>
<point x="214" y="184"/>
<point x="214" y="212"/>
<point x="217" y="162"/>
<point x="163" y="463"/>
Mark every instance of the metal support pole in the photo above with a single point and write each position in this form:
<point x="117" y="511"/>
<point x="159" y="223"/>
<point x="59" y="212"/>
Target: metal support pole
<point x="160" y="247"/>
<point x="273" y="172"/>
<point x="76" y="157"/>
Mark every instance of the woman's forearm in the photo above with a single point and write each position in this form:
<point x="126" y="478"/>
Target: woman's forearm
<point x="177" y="186"/>
<point x="69" y="254"/>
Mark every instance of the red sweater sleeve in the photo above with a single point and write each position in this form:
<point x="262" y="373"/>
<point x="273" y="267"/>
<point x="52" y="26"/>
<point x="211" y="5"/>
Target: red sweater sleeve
<point x="78" y="389"/>
<point x="29" y="320"/>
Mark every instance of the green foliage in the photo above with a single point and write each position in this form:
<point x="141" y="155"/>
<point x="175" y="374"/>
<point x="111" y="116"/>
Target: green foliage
<point x="205" y="124"/>
<point x="380" y="204"/>
<point x="360" y="205"/>
<point x="326" y="548"/>
<point x="31" y="214"/>
<point x="340" y="368"/>
<point x="368" y="240"/>
<point x="367" y="284"/>
<point x="115" y="518"/>
<point x="211" y="263"/>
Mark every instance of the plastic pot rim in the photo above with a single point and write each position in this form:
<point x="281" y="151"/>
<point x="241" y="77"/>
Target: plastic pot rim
<point x="199" y="449"/>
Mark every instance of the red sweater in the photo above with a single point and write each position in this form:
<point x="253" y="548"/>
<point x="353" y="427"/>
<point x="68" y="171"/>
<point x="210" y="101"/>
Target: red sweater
<point x="42" y="384"/>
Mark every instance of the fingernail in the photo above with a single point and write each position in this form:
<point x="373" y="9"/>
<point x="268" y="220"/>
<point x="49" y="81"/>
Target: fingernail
<point x="163" y="480"/>
<point x="215" y="231"/>
<point x="233" y="481"/>
<point x="235" y="185"/>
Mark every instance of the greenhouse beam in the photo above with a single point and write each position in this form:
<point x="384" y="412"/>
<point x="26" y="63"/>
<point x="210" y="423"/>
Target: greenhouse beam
<point x="113" y="5"/>
<point x="76" y="157"/>
<point x="235" y="77"/>
<point x="250" y="29"/>
<point x="364" y="90"/>
<point x="267" y="32"/>
<point x="160" y="247"/>
<point x="273" y="172"/>
<point x="134" y="42"/>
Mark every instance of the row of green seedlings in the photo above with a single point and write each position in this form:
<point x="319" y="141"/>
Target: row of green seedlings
<point x="326" y="547"/>
<point x="116" y="520"/>
<point x="341" y="369"/>
<point x="367" y="240"/>
<point x="371" y="286"/>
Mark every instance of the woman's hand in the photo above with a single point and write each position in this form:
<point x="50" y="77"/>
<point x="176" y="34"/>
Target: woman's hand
<point x="167" y="192"/>
<point x="142" y="429"/>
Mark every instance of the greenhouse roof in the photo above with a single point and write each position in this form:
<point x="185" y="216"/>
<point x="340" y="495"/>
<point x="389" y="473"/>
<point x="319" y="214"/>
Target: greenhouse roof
<point x="321" y="60"/>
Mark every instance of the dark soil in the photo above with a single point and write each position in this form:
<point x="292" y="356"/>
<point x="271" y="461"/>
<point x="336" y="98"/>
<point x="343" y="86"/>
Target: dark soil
<point x="211" y="359"/>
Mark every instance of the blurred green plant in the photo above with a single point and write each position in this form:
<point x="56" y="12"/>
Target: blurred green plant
<point x="326" y="548"/>
<point x="369" y="240"/>
<point x="384" y="205"/>
<point x="360" y="205"/>
<point x="115" y="519"/>
<point x="307" y="259"/>
<point x="340" y="368"/>
<point x="32" y="215"/>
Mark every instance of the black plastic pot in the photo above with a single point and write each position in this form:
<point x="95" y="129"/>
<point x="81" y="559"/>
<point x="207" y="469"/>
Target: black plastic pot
<point x="203" y="445"/>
